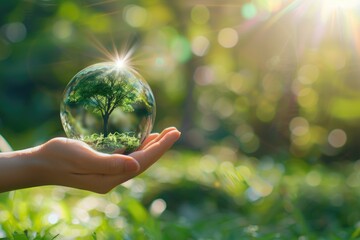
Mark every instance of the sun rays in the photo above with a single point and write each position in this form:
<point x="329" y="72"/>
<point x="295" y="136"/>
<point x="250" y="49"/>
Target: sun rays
<point x="320" y="21"/>
<point x="122" y="57"/>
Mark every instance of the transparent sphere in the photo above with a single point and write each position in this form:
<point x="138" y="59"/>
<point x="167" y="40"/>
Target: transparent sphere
<point x="109" y="107"/>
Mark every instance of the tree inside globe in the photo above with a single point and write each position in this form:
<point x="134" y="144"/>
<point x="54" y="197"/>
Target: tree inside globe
<point x="108" y="106"/>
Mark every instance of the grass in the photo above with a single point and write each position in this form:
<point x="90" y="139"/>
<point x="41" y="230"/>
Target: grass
<point x="113" y="141"/>
<point x="190" y="196"/>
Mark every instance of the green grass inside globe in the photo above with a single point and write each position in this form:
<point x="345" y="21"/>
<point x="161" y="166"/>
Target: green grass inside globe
<point x="108" y="106"/>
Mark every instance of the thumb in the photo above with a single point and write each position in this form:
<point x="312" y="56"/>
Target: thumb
<point x="151" y="154"/>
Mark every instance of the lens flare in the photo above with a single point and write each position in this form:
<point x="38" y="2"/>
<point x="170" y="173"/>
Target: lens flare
<point x="338" y="4"/>
<point x="121" y="63"/>
<point x="123" y="58"/>
<point x="317" y="22"/>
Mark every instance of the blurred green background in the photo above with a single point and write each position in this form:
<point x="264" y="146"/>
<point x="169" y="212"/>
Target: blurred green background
<point x="265" y="92"/>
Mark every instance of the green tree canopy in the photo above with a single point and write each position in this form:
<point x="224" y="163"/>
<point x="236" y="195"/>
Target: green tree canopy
<point x="103" y="92"/>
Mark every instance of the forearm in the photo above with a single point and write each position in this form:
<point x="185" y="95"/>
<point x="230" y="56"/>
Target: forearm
<point x="18" y="170"/>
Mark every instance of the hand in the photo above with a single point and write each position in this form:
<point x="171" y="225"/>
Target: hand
<point x="72" y="163"/>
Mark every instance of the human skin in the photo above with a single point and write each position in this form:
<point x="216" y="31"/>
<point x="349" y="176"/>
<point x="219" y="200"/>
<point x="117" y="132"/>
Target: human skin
<point x="72" y="163"/>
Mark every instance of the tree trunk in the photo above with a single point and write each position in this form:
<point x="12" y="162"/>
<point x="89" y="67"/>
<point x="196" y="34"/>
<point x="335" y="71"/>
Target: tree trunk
<point x="106" y="121"/>
<point x="189" y="103"/>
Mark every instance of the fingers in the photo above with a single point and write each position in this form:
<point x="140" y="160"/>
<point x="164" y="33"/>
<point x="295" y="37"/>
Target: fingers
<point x="156" y="148"/>
<point x="159" y="136"/>
<point x="150" y="138"/>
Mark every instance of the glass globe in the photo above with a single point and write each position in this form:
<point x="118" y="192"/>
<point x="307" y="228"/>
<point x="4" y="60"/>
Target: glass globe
<point x="108" y="106"/>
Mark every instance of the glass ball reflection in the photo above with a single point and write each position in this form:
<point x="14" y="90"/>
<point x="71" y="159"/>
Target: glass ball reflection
<point x="109" y="107"/>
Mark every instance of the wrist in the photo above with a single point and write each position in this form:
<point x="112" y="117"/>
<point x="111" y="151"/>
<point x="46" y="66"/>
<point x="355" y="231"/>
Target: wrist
<point x="37" y="167"/>
<point x="19" y="169"/>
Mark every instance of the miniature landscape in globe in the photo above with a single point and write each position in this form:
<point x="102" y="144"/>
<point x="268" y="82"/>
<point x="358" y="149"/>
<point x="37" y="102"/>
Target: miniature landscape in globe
<point x="108" y="106"/>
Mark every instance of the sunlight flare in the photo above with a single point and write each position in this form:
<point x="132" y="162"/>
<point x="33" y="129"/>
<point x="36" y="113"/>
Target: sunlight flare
<point x="122" y="57"/>
<point x="332" y="5"/>
<point x="120" y="63"/>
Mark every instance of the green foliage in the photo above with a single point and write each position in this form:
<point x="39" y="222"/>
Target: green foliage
<point x="102" y="92"/>
<point x="113" y="141"/>
<point x="189" y="196"/>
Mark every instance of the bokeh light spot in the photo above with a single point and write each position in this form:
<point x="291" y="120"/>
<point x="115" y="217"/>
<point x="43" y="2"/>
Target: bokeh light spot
<point x="308" y="74"/>
<point x="135" y="16"/>
<point x="248" y="10"/>
<point x="62" y="29"/>
<point x="270" y="6"/>
<point x="53" y="218"/>
<point x="262" y="187"/>
<point x="353" y="180"/>
<point x="208" y="163"/>
<point x="81" y="215"/>
<point x="15" y="32"/>
<point x="224" y="107"/>
<point x="181" y="49"/>
<point x="252" y="194"/>
<point x="337" y="138"/>
<point x="265" y="111"/>
<point x="299" y="126"/>
<point x="335" y="58"/>
<point x="249" y="141"/>
<point x="159" y="61"/>
<point x="228" y="37"/>
<point x="204" y="75"/>
<point x="313" y="178"/>
<point x="98" y="23"/>
<point x="157" y="207"/>
<point x="69" y="10"/>
<point x="200" y="45"/>
<point x="239" y="82"/>
<point x="200" y="14"/>
<point x="308" y="98"/>
<point x="112" y="210"/>
<point x="209" y="122"/>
